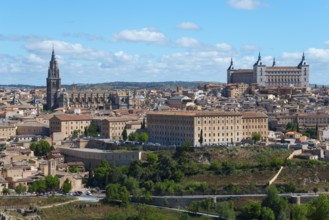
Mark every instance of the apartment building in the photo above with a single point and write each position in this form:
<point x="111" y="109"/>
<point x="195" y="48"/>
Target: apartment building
<point x="112" y="127"/>
<point x="66" y="124"/>
<point x="254" y="122"/>
<point x="177" y="127"/>
<point x="7" y="131"/>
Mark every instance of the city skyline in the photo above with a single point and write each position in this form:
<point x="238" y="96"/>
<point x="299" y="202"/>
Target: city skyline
<point x="148" y="41"/>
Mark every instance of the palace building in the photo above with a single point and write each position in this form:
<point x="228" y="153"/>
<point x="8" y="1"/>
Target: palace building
<point x="271" y="76"/>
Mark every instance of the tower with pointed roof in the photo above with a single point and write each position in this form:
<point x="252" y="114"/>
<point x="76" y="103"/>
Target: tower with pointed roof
<point x="230" y="70"/>
<point x="53" y="83"/>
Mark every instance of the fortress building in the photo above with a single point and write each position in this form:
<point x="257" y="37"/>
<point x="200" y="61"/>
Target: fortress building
<point x="271" y="76"/>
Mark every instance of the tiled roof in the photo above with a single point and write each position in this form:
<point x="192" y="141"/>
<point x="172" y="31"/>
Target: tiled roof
<point x="67" y="117"/>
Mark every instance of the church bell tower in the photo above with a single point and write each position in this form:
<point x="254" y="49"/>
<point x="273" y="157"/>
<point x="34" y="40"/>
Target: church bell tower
<point x="53" y="83"/>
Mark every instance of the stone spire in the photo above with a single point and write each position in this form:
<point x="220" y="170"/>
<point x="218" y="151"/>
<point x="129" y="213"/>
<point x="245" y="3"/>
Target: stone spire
<point x="258" y="62"/>
<point x="231" y="65"/>
<point x="302" y="62"/>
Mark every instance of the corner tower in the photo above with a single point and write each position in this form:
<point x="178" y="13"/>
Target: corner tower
<point x="53" y="83"/>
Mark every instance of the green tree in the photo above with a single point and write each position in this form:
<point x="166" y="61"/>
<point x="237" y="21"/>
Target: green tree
<point x="38" y="186"/>
<point x="298" y="212"/>
<point x="124" y="134"/>
<point x="148" y="196"/>
<point x="52" y="182"/>
<point x="75" y="133"/>
<point x="143" y="137"/>
<point x="67" y="186"/>
<point x="74" y="169"/>
<point x="112" y="192"/>
<point x="92" y="130"/>
<point x="255" y="137"/>
<point x="252" y="210"/>
<point x="20" y="189"/>
<point x="201" y="137"/>
<point x="101" y="173"/>
<point x="133" y="136"/>
<point x="226" y="210"/>
<point x="5" y="191"/>
<point x="276" y="203"/>
<point x="152" y="158"/>
<point x="267" y="214"/>
<point x="319" y="208"/>
<point x="41" y="148"/>
<point x="124" y="196"/>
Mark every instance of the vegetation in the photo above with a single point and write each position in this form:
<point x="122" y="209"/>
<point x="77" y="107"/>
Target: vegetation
<point x="256" y="137"/>
<point x="135" y="136"/>
<point x="20" y="189"/>
<point x="67" y="186"/>
<point x="74" y="169"/>
<point x="50" y="183"/>
<point x="124" y="135"/>
<point x="92" y="131"/>
<point x="41" y="148"/>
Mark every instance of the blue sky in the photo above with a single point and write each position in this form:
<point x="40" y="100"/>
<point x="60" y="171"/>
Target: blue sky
<point x="146" y="40"/>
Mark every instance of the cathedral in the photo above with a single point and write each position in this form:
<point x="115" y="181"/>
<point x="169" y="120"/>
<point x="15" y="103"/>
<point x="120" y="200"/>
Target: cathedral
<point x="58" y="97"/>
<point x="271" y="76"/>
<point x="53" y="84"/>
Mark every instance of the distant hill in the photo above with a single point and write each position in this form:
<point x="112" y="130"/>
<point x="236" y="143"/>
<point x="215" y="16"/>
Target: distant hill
<point x="167" y="85"/>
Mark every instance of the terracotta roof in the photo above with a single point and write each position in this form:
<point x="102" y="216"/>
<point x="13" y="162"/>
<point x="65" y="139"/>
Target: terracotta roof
<point x="203" y="113"/>
<point x="254" y="115"/>
<point x="68" y="117"/>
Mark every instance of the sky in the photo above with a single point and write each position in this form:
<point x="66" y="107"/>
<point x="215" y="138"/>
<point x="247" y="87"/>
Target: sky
<point x="147" y="40"/>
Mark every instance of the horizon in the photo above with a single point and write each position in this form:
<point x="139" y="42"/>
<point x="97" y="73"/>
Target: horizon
<point x="147" y="41"/>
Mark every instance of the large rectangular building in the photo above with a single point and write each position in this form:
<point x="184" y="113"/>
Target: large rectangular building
<point x="177" y="127"/>
<point x="67" y="123"/>
<point x="271" y="76"/>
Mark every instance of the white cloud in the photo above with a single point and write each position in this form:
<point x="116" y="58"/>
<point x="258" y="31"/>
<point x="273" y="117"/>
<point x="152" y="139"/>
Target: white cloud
<point x="317" y="54"/>
<point x="224" y="47"/>
<point x="62" y="47"/>
<point x="250" y="48"/>
<point x="244" y="4"/>
<point x="35" y="59"/>
<point x="92" y="37"/>
<point x="291" y="55"/>
<point x="187" y="42"/>
<point x="148" y="35"/>
<point x="188" y="26"/>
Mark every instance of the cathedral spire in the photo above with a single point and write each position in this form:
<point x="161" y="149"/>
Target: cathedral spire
<point x="273" y="62"/>
<point x="231" y="65"/>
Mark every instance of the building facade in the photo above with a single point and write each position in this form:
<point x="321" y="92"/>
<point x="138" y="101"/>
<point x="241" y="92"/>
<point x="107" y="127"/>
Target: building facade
<point x="53" y="83"/>
<point x="271" y="76"/>
<point x="177" y="127"/>
<point x="65" y="124"/>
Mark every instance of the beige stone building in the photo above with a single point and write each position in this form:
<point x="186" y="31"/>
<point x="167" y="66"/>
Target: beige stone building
<point x="65" y="124"/>
<point x="112" y="127"/>
<point x="177" y="127"/>
<point x="7" y="131"/>
<point x="254" y="122"/>
<point x="235" y="90"/>
<point x="32" y="127"/>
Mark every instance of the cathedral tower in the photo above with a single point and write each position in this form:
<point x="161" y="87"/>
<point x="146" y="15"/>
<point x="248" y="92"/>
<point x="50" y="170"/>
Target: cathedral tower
<point x="53" y="83"/>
